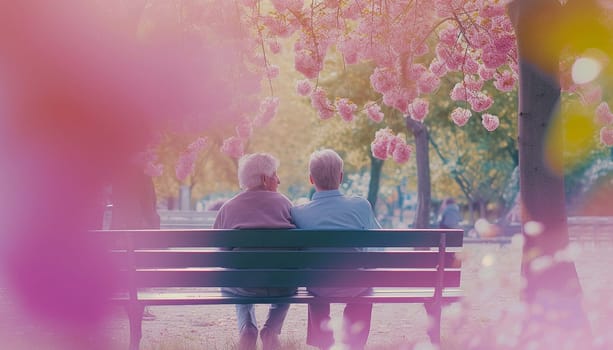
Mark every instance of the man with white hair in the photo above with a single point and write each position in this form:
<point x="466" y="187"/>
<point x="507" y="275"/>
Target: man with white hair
<point x="259" y="205"/>
<point x="330" y="209"/>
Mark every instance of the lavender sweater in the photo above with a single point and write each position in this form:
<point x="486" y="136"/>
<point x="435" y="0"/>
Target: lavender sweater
<point x="255" y="209"/>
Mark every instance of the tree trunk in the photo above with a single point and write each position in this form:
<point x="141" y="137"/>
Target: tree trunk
<point x="376" y="165"/>
<point x="553" y="289"/>
<point x="482" y="211"/>
<point x="422" y="156"/>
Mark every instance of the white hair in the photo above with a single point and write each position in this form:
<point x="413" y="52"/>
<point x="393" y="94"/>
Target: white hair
<point x="251" y="167"/>
<point x="326" y="167"/>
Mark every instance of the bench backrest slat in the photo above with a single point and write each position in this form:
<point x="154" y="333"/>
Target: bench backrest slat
<point x="285" y="238"/>
<point x="286" y="259"/>
<point x="289" y="278"/>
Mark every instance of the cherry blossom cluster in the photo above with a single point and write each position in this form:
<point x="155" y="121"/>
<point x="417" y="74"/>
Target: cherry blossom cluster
<point x="386" y="145"/>
<point x="186" y="163"/>
<point x="413" y="45"/>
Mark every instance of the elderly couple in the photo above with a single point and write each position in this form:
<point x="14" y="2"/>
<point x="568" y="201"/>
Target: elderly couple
<point x="259" y="205"/>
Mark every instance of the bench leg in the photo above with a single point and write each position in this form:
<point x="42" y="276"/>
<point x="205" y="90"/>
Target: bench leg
<point x="135" y="314"/>
<point x="433" y="310"/>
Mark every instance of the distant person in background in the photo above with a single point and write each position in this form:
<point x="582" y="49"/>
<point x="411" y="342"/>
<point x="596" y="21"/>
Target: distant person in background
<point x="450" y="214"/>
<point x="330" y="209"/>
<point x="259" y="205"/>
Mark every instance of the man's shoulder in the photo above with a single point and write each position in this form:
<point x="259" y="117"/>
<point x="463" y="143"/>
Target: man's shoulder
<point x="357" y="201"/>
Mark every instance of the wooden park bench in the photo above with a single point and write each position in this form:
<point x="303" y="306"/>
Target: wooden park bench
<point x="163" y="267"/>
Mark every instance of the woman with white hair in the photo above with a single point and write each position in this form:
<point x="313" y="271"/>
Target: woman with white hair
<point x="259" y="205"/>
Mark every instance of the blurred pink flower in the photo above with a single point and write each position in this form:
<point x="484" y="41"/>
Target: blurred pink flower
<point x="480" y="102"/>
<point x="506" y="81"/>
<point x="373" y="111"/>
<point x="438" y="68"/>
<point x="308" y="65"/>
<point x="283" y="5"/>
<point x="268" y="110"/>
<point x="380" y="145"/>
<point x="460" y="116"/>
<point x="418" y="109"/>
<point x="274" y="46"/>
<point x="304" y="87"/>
<point x="244" y="130"/>
<point x="458" y="93"/>
<point x="603" y="114"/>
<point x="153" y="169"/>
<point x="489" y="10"/>
<point x="322" y="105"/>
<point x="415" y="72"/>
<point x="233" y="147"/>
<point x="449" y="35"/>
<point x="379" y="149"/>
<point x="491" y="58"/>
<point x="346" y="109"/>
<point x="606" y="136"/>
<point x="185" y="165"/>
<point x="591" y="94"/>
<point x="393" y="142"/>
<point x="198" y="145"/>
<point x="489" y="121"/>
<point x="473" y="83"/>
<point x="272" y="71"/>
<point x="349" y="48"/>
<point x="486" y="73"/>
<point x="383" y="80"/>
<point x="402" y="153"/>
<point x="428" y="83"/>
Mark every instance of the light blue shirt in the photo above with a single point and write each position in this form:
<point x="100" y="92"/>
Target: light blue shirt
<point x="333" y="210"/>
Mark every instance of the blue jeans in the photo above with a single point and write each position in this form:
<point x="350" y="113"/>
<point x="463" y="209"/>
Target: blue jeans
<point x="245" y="313"/>
<point x="356" y="325"/>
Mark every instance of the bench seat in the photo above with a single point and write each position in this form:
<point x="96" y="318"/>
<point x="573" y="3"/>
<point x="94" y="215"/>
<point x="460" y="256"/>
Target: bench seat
<point x="209" y="296"/>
